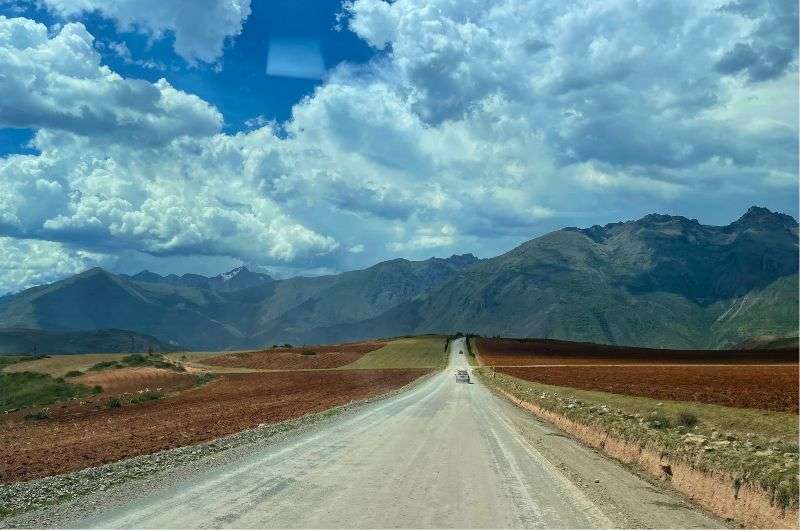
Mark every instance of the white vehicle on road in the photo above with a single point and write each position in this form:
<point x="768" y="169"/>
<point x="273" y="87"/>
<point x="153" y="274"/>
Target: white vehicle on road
<point x="462" y="376"/>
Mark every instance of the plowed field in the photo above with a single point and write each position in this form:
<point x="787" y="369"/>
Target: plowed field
<point x="231" y="403"/>
<point x="514" y="352"/>
<point x="134" y="379"/>
<point x="745" y="386"/>
<point x="307" y="357"/>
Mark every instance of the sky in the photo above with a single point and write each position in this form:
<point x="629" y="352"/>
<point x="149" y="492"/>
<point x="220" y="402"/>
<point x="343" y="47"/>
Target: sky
<point x="317" y="136"/>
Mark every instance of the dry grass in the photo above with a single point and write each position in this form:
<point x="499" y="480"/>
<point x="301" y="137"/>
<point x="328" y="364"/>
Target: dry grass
<point x="419" y="352"/>
<point x="59" y="365"/>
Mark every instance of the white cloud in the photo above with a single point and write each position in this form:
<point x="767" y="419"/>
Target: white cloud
<point x="482" y="124"/>
<point x="58" y="83"/>
<point x="200" y="27"/>
<point x="25" y="263"/>
<point x="356" y="249"/>
<point x="121" y="50"/>
<point x="196" y="196"/>
<point x="425" y="238"/>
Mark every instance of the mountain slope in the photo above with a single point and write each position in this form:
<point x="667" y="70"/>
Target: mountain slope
<point x="19" y="341"/>
<point x="660" y="281"/>
<point x="237" y="309"/>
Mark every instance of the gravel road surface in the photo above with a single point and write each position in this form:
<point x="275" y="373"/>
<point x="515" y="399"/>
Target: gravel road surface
<point x="442" y="454"/>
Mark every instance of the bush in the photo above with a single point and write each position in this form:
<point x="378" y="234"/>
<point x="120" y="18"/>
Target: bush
<point x="38" y="416"/>
<point x="309" y="352"/>
<point x="146" y="396"/>
<point x="658" y="420"/>
<point x="103" y="365"/>
<point x="204" y="378"/>
<point x="137" y="359"/>
<point x="73" y="373"/>
<point x="96" y="389"/>
<point x="113" y="403"/>
<point x="687" y="419"/>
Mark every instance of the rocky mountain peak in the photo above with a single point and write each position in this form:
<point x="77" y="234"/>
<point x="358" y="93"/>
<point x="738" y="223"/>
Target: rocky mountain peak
<point x="757" y="216"/>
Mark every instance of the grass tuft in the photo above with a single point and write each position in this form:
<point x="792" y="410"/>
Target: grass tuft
<point x="687" y="419"/>
<point x="145" y="396"/>
<point x="205" y="377"/>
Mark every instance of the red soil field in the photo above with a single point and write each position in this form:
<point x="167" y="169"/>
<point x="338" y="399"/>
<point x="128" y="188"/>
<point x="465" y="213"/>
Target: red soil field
<point x="297" y="358"/>
<point x="525" y="352"/>
<point x="744" y="386"/>
<point x="130" y="380"/>
<point x="84" y="438"/>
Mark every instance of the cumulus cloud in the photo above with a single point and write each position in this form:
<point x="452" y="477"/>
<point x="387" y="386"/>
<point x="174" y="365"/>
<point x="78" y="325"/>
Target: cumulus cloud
<point x="200" y="27"/>
<point x="770" y="47"/>
<point x="425" y="238"/>
<point x="59" y="83"/>
<point x="25" y="263"/>
<point x="479" y="125"/>
<point x="196" y="196"/>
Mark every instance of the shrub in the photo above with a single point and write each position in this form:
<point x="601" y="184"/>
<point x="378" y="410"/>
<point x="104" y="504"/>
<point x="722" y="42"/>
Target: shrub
<point x="38" y="416"/>
<point x="287" y="345"/>
<point x="687" y="419"/>
<point x="103" y="365"/>
<point x="309" y="352"/>
<point x="146" y="396"/>
<point x="113" y="403"/>
<point x="96" y="389"/>
<point x="73" y="373"/>
<point x="137" y="359"/>
<point x="658" y="420"/>
<point x="205" y="377"/>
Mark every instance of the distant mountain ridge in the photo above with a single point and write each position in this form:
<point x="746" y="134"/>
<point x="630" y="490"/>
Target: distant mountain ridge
<point x="238" y="278"/>
<point x="232" y="310"/>
<point x="19" y="341"/>
<point x="660" y="281"/>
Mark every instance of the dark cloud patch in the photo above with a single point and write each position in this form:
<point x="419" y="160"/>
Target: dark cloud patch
<point x="760" y="64"/>
<point x="536" y="45"/>
<point x="633" y="140"/>
<point x="772" y="46"/>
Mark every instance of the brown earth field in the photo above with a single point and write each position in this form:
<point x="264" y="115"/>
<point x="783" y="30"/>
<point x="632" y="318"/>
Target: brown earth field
<point x="744" y="386"/>
<point x="305" y="357"/>
<point x="78" y="437"/>
<point x="523" y="352"/>
<point x="129" y="380"/>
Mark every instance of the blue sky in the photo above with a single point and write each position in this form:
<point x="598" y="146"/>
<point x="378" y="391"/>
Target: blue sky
<point x="306" y="137"/>
<point x="239" y="87"/>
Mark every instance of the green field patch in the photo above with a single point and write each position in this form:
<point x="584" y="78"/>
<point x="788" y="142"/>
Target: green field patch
<point x="417" y="352"/>
<point x="27" y="389"/>
<point x="6" y="360"/>
<point x="136" y="360"/>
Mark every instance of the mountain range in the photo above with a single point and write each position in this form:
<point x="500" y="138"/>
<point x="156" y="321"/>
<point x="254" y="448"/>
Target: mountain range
<point x="660" y="281"/>
<point x="24" y="341"/>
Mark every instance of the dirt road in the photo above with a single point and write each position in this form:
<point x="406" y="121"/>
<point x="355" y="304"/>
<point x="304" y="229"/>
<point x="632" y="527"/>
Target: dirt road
<point x="443" y="454"/>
